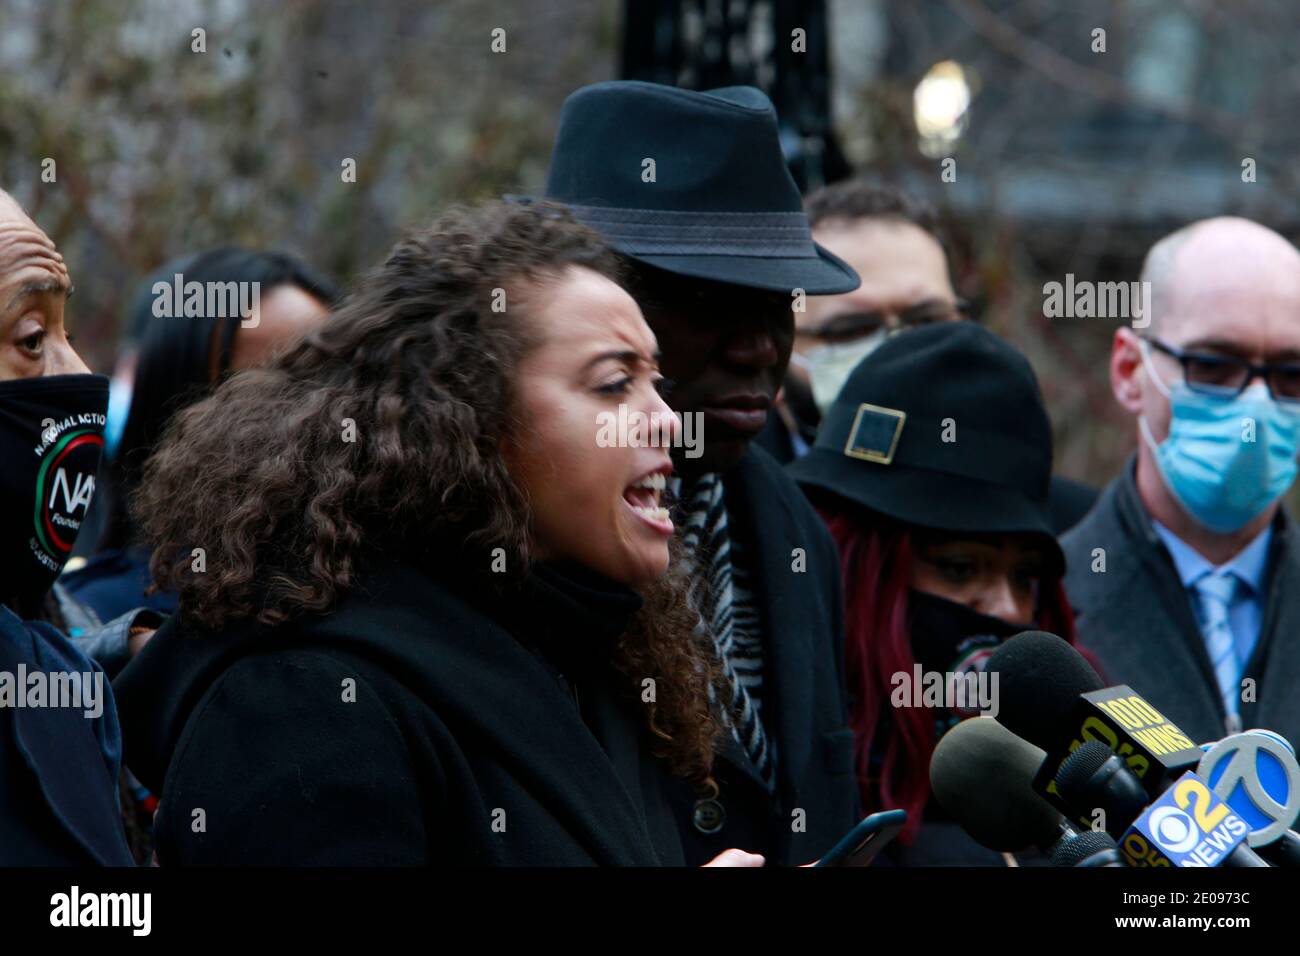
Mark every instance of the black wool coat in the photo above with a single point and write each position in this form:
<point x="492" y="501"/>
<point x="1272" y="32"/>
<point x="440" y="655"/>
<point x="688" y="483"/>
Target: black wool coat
<point x="416" y="724"/>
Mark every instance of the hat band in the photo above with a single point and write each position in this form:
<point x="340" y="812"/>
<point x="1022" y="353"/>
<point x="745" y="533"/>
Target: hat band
<point x="1002" y="459"/>
<point x="671" y="232"/>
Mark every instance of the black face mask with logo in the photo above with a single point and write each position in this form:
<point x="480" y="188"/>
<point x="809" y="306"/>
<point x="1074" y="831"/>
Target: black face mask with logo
<point x="948" y="637"/>
<point x="51" y="440"/>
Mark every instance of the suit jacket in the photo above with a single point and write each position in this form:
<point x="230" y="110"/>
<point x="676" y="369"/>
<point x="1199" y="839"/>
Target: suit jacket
<point x="1138" y="619"/>
<point x="58" y="768"/>
<point x="804" y="708"/>
<point x="461" y="744"/>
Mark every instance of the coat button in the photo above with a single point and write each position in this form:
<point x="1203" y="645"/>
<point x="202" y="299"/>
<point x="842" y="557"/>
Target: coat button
<point x="709" y="816"/>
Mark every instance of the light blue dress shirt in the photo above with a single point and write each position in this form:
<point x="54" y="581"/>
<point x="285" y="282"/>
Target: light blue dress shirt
<point x="1249" y="566"/>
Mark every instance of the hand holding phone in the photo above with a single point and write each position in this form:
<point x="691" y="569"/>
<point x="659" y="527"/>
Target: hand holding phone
<point x="860" y="845"/>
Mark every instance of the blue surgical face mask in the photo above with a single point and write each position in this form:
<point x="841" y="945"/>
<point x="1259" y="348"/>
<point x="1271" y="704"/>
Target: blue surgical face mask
<point x="1226" y="459"/>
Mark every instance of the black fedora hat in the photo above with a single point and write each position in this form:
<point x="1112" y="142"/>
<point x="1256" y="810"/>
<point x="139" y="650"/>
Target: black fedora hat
<point x="941" y="427"/>
<point x="721" y="204"/>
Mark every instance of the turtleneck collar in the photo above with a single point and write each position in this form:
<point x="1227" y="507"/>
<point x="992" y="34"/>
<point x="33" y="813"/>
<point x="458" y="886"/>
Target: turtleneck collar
<point x="572" y="614"/>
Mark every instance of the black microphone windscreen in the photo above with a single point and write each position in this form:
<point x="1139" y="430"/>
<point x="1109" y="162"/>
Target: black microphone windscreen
<point x="1075" y="850"/>
<point x="1040" y="677"/>
<point x="1081" y="765"/>
<point x="981" y="774"/>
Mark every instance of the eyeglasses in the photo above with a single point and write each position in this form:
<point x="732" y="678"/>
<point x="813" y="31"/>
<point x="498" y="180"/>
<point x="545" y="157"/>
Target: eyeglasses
<point x="855" y="325"/>
<point x="1226" y="376"/>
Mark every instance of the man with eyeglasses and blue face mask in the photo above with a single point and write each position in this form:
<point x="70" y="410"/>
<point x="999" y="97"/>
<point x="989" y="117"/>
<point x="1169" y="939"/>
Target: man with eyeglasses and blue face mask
<point x="1186" y="575"/>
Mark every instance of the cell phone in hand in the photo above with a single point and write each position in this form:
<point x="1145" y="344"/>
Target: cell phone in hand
<point x="860" y="845"/>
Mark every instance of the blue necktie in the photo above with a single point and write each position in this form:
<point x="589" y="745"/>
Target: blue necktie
<point x="1216" y="591"/>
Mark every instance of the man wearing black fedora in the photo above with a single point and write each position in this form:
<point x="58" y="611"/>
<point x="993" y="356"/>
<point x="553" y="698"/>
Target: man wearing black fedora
<point x="693" y="189"/>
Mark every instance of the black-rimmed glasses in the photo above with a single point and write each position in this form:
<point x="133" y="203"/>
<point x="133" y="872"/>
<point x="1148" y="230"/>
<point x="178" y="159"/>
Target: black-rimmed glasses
<point x="1227" y="376"/>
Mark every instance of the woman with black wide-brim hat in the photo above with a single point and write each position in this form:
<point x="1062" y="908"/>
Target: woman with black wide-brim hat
<point x="931" y="470"/>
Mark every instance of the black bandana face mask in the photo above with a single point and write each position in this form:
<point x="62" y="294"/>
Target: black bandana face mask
<point x="950" y="638"/>
<point x="51" y="439"/>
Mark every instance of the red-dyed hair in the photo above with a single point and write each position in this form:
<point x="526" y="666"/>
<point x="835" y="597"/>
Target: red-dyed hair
<point x="876" y="564"/>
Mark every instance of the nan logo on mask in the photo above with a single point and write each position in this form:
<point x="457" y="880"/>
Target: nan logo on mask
<point x="68" y="458"/>
<point x="51" y="438"/>
<point x="875" y="433"/>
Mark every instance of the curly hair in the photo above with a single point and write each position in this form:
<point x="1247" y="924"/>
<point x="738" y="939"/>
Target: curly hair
<point x="381" y="432"/>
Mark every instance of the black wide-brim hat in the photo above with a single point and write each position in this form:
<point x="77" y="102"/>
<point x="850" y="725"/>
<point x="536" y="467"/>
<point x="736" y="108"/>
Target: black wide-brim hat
<point x="721" y="204"/>
<point x="942" y="427"/>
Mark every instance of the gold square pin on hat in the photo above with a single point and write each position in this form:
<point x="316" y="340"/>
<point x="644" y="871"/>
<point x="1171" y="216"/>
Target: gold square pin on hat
<point x="875" y="433"/>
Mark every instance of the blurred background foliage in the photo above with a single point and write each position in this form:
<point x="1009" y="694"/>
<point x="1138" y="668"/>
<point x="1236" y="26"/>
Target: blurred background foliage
<point x="161" y="150"/>
<point x="1068" y="159"/>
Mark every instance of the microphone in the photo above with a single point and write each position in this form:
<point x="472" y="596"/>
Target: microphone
<point x="1095" y="777"/>
<point x="1256" y="774"/>
<point x="1284" y="851"/>
<point x="1039" y="676"/>
<point x="980" y="773"/>
<point x="1165" y="833"/>
<point x="1052" y="697"/>
<point x="1189" y="826"/>
<point x="1092" y="848"/>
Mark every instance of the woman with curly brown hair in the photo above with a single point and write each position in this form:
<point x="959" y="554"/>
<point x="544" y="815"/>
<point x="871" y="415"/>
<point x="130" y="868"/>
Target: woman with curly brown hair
<point x="426" y="615"/>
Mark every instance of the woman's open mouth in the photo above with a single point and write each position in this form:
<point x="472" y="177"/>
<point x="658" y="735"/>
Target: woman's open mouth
<point x="643" y="497"/>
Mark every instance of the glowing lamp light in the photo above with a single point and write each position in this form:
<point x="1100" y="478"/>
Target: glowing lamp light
<point x="939" y="105"/>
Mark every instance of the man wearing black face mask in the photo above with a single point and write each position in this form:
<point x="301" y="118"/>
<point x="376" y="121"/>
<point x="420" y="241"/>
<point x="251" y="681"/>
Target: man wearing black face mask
<point x="60" y="746"/>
